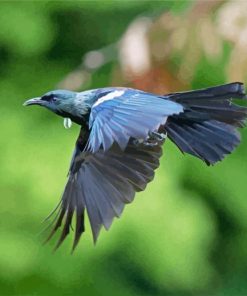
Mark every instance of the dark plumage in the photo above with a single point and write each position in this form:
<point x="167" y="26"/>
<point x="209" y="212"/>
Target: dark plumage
<point x="121" y="138"/>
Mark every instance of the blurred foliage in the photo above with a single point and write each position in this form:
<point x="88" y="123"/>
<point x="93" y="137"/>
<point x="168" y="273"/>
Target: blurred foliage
<point x="187" y="233"/>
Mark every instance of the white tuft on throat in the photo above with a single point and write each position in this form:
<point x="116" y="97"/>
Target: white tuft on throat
<point x="67" y="122"/>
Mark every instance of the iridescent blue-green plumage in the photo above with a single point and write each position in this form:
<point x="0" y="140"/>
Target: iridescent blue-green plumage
<point x="120" y="143"/>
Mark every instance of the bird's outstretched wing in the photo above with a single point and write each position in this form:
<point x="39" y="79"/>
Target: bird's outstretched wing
<point x="103" y="182"/>
<point x="121" y="114"/>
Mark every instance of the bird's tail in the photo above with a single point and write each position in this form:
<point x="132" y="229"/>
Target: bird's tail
<point x="207" y="128"/>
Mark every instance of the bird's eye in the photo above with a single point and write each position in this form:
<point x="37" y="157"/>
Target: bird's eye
<point x="49" y="98"/>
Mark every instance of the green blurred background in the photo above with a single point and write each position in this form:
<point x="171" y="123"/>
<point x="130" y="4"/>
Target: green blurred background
<point x="187" y="233"/>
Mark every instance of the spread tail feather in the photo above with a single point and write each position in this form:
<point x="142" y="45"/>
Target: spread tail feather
<point x="207" y="128"/>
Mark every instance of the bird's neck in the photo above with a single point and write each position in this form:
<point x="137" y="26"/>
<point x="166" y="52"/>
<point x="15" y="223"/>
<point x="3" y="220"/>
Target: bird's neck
<point x="81" y="120"/>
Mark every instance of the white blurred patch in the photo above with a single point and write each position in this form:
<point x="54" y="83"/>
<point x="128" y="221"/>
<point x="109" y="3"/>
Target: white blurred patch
<point x="94" y="59"/>
<point x="134" y="48"/>
<point x="67" y="123"/>
<point x="232" y="21"/>
<point x="110" y="96"/>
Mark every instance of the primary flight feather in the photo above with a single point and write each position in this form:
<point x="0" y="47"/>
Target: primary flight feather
<point x="121" y="138"/>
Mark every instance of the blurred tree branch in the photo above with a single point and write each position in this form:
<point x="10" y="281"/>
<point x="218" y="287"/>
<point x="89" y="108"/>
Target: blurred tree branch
<point x="162" y="54"/>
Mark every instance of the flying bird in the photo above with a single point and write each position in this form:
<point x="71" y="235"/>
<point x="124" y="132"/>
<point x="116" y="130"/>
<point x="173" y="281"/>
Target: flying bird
<point x="120" y="143"/>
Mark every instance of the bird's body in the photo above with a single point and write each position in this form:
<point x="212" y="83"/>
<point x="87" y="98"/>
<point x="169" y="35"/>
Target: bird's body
<point x="120" y="143"/>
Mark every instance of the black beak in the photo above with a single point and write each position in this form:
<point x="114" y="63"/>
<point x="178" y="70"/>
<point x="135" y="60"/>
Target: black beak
<point x="34" y="101"/>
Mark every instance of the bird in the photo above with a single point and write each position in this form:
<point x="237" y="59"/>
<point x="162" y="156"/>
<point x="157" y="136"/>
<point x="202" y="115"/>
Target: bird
<point x="122" y="131"/>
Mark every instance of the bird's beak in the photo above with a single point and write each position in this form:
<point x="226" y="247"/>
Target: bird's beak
<point x="34" y="101"/>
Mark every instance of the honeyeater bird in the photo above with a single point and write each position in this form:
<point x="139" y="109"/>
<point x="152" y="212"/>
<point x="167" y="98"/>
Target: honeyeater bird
<point x="120" y="143"/>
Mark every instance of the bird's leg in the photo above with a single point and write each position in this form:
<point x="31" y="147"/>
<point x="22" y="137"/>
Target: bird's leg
<point x="153" y="139"/>
<point x="157" y="136"/>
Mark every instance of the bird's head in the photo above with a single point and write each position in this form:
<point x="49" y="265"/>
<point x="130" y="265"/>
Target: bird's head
<point x="68" y="104"/>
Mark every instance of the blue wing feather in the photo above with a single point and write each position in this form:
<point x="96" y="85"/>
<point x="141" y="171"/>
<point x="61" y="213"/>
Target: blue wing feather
<point x="121" y="114"/>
